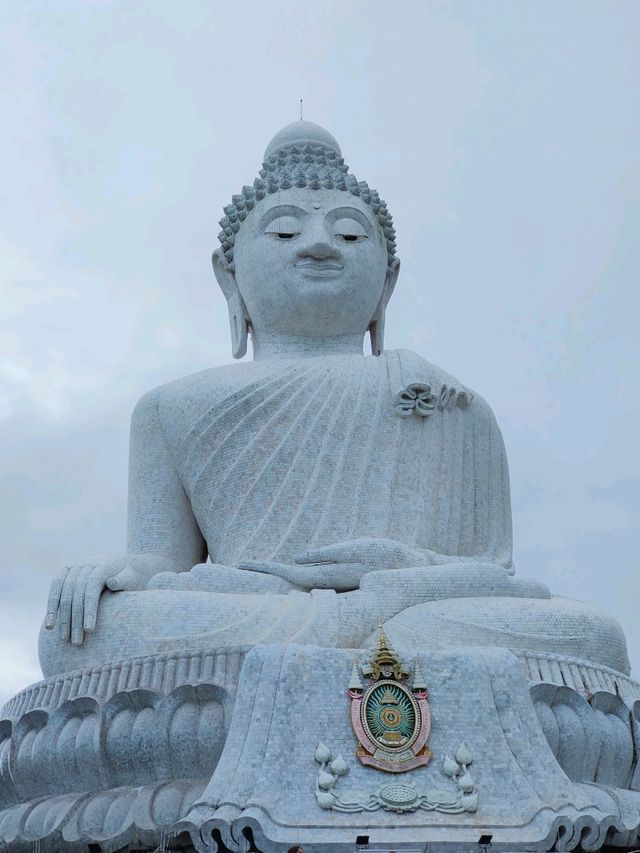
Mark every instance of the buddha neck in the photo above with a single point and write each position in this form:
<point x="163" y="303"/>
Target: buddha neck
<point x="268" y="346"/>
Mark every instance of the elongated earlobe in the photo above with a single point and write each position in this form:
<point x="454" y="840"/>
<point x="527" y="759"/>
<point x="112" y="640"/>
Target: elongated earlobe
<point x="239" y="321"/>
<point x="376" y="326"/>
<point x="376" y="330"/>
<point x="239" y="325"/>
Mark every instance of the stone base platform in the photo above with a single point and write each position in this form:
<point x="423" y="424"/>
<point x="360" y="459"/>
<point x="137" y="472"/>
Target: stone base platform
<point x="218" y="752"/>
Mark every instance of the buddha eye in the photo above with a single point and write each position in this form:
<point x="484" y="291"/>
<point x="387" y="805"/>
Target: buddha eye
<point x="349" y="230"/>
<point x="352" y="238"/>
<point x="283" y="228"/>
<point x="278" y="234"/>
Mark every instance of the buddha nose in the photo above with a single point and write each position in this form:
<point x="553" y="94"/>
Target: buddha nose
<point x="319" y="247"/>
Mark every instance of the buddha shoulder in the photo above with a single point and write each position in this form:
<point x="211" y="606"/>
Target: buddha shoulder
<point x="174" y="405"/>
<point x="441" y="387"/>
<point x="177" y="405"/>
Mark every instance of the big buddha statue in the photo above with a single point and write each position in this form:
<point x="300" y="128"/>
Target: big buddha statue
<point x="313" y="530"/>
<point x="328" y="489"/>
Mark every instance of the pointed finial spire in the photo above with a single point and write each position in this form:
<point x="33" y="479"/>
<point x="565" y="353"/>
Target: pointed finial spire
<point x="383" y="642"/>
<point x="300" y="109"/>
<point x="354" y="682"/>
<point x="384" y="660"/>
<point x="418" y="678"/>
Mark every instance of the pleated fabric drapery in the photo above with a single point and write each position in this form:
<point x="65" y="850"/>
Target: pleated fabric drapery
<point x="316" y="453"/>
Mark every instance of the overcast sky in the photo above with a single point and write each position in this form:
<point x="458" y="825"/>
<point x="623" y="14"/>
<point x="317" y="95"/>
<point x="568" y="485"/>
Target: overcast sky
<point x="505" y="138"/>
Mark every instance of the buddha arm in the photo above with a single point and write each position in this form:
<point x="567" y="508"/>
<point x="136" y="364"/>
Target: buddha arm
<point x="160" y="519"/>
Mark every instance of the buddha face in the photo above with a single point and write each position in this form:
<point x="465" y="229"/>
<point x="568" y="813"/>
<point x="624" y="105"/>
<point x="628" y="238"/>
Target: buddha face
<point x="310" y="263"/>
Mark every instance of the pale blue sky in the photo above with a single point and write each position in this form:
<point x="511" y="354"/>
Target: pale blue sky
<point x="505" y="138"/>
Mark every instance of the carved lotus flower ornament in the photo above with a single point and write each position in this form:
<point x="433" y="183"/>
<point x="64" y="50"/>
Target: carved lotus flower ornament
<point x="417" y="398"/>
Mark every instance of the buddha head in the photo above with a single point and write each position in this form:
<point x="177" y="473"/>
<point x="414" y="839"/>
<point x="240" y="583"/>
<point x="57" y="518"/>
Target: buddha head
<point x="308" y="251"/>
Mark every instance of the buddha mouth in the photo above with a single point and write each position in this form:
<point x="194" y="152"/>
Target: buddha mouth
<point x="319" y="269"/>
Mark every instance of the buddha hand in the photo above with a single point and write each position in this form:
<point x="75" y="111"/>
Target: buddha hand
<point x="75" y="592"/>
<point x="341" y="566"/>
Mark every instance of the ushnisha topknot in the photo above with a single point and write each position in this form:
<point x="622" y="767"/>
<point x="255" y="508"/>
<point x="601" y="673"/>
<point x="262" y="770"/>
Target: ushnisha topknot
<point x="302" y="154"/>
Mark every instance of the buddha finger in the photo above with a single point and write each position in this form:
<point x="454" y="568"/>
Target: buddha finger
<point x="53" y="601"/>
<point x="338" y="576"/>
<point x="342" y="577"/>
<point x="354" y="551"/>
<point x="377" y="552"/>
<point x="93" y="591"/>
<point x="345" y="577"/>
<point x="281" y="570"/>
<point x="77" y="605"/>
<point x="66" y="602"/>
<point x="341" y="552"/>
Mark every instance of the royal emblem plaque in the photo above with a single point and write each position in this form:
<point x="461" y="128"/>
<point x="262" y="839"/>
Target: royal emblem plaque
<point x="390" y="711"/>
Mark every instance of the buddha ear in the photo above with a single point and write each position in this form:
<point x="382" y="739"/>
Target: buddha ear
<point x="238" y="315"/>
<point x="376" y="326"/>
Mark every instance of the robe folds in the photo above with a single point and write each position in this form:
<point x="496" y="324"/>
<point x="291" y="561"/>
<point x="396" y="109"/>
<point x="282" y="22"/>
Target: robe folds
<point x="277" y="457"/>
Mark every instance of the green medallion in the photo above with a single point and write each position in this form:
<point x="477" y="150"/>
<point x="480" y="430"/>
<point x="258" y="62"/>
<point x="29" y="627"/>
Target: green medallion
<point x="390" y="714"/>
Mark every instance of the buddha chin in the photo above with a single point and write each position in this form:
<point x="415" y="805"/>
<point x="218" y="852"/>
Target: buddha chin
<point x="311" y="492"/>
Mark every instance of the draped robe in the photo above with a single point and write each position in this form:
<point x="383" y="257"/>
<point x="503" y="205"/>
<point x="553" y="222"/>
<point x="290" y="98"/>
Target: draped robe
<point x="263" y="460"/>
<point x="276" y="457"/>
